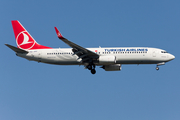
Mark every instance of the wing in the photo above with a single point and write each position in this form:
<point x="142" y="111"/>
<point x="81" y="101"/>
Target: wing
<point x="81" y="52"/>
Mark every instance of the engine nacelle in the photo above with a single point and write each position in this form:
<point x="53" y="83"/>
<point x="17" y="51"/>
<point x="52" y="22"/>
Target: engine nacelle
<point x="107" y="59"/>
<point x="116" y="67"/>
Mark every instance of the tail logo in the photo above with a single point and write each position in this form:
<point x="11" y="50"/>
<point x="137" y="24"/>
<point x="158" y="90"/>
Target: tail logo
<point x="24" y="40"/>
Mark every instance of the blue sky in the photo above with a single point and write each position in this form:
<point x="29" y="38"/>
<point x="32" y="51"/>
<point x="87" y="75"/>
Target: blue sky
<point x="31" y="90"/>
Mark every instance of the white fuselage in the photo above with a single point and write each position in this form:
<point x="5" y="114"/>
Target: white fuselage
<point x="110" y="59"/>
<point x="123" y="55"/>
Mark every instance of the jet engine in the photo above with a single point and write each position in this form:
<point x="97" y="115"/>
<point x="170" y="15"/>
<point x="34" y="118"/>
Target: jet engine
<point x="116" y="67"/>
<point x="107" y="59"/>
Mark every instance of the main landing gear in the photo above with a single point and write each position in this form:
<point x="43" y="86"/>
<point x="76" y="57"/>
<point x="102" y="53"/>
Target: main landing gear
<point x="91" y="68"/>
<point x="93" y="71"/>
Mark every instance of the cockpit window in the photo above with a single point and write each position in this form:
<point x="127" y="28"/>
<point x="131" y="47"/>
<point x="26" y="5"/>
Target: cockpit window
<point x="164" y="52"/>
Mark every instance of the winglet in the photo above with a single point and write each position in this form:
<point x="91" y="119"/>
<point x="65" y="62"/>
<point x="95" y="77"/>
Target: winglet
<point x="58" y="33"/>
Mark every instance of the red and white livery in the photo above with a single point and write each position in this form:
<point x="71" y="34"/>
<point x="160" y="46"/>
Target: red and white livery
<point x="109" y="59"/>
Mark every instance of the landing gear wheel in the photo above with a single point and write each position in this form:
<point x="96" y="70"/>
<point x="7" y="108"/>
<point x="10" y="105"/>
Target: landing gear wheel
<point x="89" y="67"/>
<point x="157" y="68"/>
<point x="93" y="71"/>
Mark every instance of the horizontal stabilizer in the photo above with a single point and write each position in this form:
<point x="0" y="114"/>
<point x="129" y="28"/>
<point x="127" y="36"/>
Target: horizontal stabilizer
<point x="15" y="49"/>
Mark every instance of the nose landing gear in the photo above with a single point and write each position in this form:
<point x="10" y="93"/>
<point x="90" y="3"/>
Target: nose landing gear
<point x="157" y="68"/>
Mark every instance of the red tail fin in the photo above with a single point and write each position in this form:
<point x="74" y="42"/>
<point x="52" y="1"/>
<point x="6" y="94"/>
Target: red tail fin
<point x="23" y="39"/>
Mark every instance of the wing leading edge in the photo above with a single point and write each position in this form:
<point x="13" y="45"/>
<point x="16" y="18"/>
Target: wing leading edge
<point x="81" y="52"/>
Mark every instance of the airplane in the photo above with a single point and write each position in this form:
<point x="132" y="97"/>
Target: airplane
<point x="110" y="59"/>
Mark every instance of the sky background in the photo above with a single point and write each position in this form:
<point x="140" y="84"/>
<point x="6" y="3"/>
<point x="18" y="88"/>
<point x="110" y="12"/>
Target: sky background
<point x="37" y="91"/>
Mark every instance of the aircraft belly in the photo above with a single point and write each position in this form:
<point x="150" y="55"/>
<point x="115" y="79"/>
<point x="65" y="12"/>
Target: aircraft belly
<point x="134" y="59"/>
<point x="62" y="63"/>
<point x="61" y="60"/>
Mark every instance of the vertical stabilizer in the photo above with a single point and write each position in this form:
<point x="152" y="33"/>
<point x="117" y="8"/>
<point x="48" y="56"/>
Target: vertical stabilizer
<point x="23" y="39"/>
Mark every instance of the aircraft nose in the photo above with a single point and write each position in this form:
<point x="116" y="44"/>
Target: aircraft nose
<point x="171" y="57"/>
